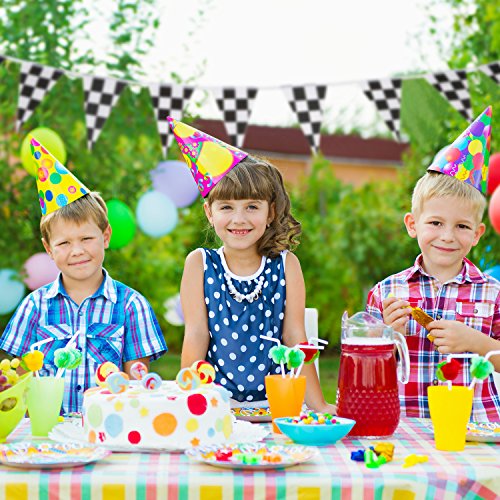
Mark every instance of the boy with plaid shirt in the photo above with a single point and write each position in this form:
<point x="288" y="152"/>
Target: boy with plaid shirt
<point x="464" y="302"/>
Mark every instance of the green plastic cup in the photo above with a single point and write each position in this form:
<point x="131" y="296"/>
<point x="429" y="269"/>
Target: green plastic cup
<point x="45" y="395"/>
<point x="13" y="406"/>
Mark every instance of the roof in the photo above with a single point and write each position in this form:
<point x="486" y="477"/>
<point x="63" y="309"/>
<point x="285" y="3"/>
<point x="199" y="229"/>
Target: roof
<point x="291" y="141"/>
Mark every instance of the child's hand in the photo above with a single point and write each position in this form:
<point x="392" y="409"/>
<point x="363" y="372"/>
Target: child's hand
<point x="452" y="336"/>
<point x="396" y="313"/>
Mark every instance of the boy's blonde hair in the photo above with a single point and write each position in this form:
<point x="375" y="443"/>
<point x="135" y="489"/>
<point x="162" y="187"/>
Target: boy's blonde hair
<point x="437" y="185"/>
<point x="88" y="207"/>
<point x="256" y="179"/>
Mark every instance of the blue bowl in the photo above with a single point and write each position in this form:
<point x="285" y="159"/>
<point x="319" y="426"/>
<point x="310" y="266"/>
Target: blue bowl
<point x="315" y="435"/>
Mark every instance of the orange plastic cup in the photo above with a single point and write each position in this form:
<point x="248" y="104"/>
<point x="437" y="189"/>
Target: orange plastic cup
<point x="450" y="411"/>
<point x="285" y="396"/>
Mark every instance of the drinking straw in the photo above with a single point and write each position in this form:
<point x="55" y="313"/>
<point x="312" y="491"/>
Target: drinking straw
<point x="35" y="346"/>
<point x="281" y="357"/>
<point x="316" y="339"/>
<point x="70" y="344"/>
<point x="305" y="346"/>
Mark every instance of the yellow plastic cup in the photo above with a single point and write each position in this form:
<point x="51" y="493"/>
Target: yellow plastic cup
<point x="45" y="397"/>
<point x="450" y="411"/>
<point x="13" y="406"/>
<point x="285" y="396"/>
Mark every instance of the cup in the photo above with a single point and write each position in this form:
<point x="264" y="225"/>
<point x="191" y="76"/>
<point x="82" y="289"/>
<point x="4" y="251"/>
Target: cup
<point x="285" y="396"/>
<point x="450" y="411"/>
<point x="45" y="395"/>
<point x="13" y="406"/>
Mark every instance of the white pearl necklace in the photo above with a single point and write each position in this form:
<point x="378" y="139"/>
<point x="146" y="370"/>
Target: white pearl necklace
<point x="240" y="297"/>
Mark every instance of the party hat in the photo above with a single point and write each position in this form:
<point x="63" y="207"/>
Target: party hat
<point x="208" y="158"/>
<point x="468" y="157"/>
<point x="57" y="186"/>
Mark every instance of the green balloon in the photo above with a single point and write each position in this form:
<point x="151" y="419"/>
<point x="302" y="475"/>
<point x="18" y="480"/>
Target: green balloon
<point x="49" y="140"/>
<point x="122" y="222"/>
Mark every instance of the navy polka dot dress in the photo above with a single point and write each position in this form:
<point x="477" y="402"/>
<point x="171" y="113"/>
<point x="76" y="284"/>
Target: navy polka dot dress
<point x="240" y="357"/>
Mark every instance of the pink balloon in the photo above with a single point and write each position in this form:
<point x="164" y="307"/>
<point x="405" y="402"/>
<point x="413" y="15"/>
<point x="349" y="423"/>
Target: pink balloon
<point x="40" y="270"/>
<point x="494" y="210"/>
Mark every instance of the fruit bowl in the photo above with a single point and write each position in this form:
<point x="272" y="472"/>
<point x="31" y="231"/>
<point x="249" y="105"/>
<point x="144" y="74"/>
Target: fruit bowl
<point x="316" y="434"/>
<point x="13" y="406"/>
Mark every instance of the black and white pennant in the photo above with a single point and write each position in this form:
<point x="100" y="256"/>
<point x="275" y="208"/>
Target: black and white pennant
<point x="454" y="88"/>
<point x="386" y="95"/>
<point x="101" y="95"/>
<point x="307" y="104"/>
<point x="236" y="106"/>
<point x="34" y="82"/>
<point x="168" y="100"/>
<point x="492" y="70"/>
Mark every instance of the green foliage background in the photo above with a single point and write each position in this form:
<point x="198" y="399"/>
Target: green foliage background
<point x="352" y="238"/>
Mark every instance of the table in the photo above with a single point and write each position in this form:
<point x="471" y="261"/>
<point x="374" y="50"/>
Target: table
<point x="473" y="473"/>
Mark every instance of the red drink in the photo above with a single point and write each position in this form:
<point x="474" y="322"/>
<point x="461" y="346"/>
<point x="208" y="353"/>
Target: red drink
<point x="368" y="386"/>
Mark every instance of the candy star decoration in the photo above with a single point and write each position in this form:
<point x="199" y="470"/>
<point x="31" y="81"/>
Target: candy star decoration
<point x="467" y="158"/>
<point x="208" y="158"/>
<point x="57" y="186"/>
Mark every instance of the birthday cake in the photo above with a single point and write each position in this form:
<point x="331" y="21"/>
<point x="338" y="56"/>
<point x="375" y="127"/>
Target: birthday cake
<point x="164" y="414"/>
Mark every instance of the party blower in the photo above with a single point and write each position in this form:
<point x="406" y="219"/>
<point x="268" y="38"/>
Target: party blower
<point x="450" y="406"/>
<point x="286" y="391"/>
<point x="369" y="373"/>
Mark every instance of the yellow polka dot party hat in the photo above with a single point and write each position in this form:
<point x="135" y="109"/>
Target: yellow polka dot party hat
<point x="467" y="159"/>
<point x="208" y="158"/>
<point x="57" y="186"/>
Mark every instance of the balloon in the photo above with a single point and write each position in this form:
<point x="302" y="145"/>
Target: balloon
<point x="485" y="258"/>
<point x="173" y="178"/>
<point x="40" y="270"/>
<point x="122" y="222"/>
<point x="173" y="311"/>
<point x="12" y="290"/>
<point x="494" y="173"/>
<point x="494" y="271"/>
<point x="156" y="214"/>
<point x="50" y="140"/>
<point x="494" y="210"/>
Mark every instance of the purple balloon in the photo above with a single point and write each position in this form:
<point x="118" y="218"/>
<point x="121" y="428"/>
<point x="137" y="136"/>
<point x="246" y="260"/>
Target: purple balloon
<point x="40" y="270"/>
<point x="173" y="179"/>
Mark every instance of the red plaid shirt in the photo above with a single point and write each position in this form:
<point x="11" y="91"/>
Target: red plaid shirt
<point x="471" y="297"/>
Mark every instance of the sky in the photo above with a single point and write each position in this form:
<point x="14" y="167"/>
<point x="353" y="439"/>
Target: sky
<point x="270" y="43"/>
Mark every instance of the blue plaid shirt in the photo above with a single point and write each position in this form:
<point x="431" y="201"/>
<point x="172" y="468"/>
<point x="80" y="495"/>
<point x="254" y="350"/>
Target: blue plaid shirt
<point x="116" y="324"/>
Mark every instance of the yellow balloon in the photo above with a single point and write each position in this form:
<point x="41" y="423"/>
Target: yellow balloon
<point x="50" y="140"/>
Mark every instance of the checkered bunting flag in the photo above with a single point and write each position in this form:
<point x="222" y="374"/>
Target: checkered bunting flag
<point x="492" y="70"/>
<point x="386" y="95"/>
<point x="454" y="87"/>
<point x="236" y="107"/>
<point x="35" y="81"/>
<point x="168" y="100"/>
<point x="307" y="104"/>
<point x="100" y="94"/>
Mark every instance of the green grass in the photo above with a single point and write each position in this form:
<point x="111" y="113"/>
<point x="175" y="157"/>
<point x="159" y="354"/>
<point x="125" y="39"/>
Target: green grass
<point x="168" y="366"/>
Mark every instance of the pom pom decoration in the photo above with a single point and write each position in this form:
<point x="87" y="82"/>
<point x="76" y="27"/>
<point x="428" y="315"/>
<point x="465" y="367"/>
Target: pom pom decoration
<point x="294" y="358"/>
<point x="117" y="382"/>
<point x="447" y="370"/>
<point x="205" y="371"/>
<point x="68" y="358"/>
<point x="151" y="381"/>
<point x="481" y="368"/>
<point x="138" y="370"/>
<point x="188" y="379"/>
<point x="32" y="361"/>
<point x="311" y="355"/>
<point x="103" y="371"/>
<point x="278" y="354"/>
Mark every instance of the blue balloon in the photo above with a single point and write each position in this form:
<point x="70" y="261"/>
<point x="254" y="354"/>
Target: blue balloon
<point x="494" y="271"/>
<point x="156" y="214"/>
<point x="485" y="259"/>
<point x="173" y="178"/>
<point x="12" y="290"/>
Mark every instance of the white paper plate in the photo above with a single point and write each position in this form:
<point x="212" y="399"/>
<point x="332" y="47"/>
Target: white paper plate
<point x="486" y="432"/>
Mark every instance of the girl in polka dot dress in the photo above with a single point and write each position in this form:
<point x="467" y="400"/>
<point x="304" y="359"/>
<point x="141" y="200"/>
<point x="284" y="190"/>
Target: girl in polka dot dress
<point x="232" y="295"/>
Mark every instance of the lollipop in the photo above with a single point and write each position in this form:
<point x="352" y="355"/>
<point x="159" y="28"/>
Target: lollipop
<point x="117" y="382"/>
<point x="447" y="370"/>
<point x="205" y="370"/>
<point x="151" y="381"/>
<point x="187" y="379"/>
<point x="138" y="370"/>
<point x="103" y="371"/>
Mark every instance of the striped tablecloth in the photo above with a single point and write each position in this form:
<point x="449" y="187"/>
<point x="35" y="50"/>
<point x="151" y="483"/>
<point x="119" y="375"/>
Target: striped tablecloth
<point x="473" y="473"/>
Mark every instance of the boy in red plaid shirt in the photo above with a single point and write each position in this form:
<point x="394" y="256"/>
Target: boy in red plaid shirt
<point x="465" y="303"/>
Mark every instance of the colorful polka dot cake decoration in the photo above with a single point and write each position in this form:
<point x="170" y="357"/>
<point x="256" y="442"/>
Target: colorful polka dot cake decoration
<point x="57" y="186"/>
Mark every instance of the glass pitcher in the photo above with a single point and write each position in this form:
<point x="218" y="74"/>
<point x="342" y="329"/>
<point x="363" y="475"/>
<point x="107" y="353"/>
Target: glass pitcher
<point x="369" y="373"/>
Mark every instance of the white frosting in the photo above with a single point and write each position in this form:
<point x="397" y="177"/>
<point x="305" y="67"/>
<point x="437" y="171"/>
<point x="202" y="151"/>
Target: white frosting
<point x="166" y="418"/>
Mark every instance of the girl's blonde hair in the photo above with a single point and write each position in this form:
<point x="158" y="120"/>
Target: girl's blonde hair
<point x="256" y="179"/>
<point x="437" y="185"/>
<point x="89" y="207"/>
